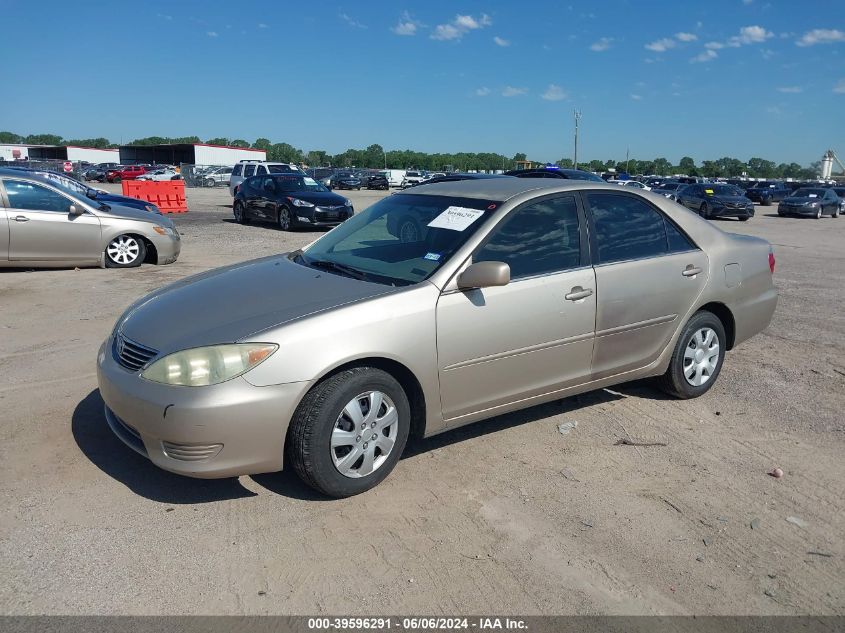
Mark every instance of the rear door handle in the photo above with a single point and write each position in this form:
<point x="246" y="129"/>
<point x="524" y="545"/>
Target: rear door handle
<point x="691" y="271"/>
<point x="21" y="218"/>
<point x="578" y="293"/>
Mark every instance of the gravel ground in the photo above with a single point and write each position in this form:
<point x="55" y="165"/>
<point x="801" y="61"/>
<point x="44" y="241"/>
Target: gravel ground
<point x="506" y="516"/>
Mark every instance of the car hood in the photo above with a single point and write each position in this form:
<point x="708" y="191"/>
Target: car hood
<point x="134" y="213"/>
<point x="228" y="304"/>
<point x="118" y="199"/>
<point x="794" y="200"/>
<point x="729" y="199"/>
<point x="320" y="198"/>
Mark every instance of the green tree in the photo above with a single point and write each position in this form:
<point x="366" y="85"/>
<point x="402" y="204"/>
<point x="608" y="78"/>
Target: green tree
<point x="238" y="142"/>
<point x="284" y="153"/>
<point x="519" y="156"/>
<point x="761" y="168"/>
<point x="317" y="158"/>
<point x="374" y="156"/>
<point x="662" y="167"/>
<point x="218" y="140"/>
<point x="99" y="142"/>
<point x="43" y="139"/>
<point x="262" y="143"/>
<point x="687" y="166"/>
<point x="10" y="137"/>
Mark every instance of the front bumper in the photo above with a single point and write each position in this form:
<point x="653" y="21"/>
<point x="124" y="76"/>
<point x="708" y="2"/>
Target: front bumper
<point x="224" y="430"/>
<point x="729" y="212"/>
<point x="802" y="210"/>
<point x="167" y="248"/>
<point x="322" y="216"/>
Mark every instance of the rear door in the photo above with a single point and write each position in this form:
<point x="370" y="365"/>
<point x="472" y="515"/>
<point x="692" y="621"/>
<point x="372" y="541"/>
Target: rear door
<point x="4" y="227"/>
<point x="648" y="276"/>
<point x="40" y="227"/>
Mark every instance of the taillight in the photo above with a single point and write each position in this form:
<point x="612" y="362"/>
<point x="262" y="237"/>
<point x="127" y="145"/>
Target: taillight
<point x="772" y="262"/>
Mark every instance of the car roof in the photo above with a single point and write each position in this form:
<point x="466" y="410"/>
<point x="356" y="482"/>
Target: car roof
<point x="35" y="174"/>
<point x="503" y="188"/>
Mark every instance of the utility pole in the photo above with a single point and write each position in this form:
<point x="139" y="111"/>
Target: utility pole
<point x="627" y="159"/>
<point x="577" y="121"/>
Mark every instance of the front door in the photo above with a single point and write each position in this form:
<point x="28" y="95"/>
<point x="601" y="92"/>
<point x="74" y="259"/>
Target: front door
<point x="648" y="275"/>
<point x="533" y="336"/>
<point x="40" y="227"/>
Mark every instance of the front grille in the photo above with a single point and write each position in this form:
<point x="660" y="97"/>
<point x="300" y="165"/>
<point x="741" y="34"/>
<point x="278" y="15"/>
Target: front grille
<point x="330" y="214"/>
<point x="190" y="452"/>
<point x="132" y="355"/>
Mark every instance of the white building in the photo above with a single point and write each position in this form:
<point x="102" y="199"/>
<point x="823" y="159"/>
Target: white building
<point x="189" y="154"/>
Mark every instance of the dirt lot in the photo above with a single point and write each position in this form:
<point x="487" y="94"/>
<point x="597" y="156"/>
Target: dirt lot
<point x="506" y="516"/>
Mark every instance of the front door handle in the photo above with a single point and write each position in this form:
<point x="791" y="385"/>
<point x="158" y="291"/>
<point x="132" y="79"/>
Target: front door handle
<point x="21" y="218"/>
<point x="578" y="293"/>
<point x="691" y="271"/>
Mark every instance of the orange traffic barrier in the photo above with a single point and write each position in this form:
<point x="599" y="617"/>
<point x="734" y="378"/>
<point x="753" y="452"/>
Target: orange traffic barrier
<point x="167" y="195"/>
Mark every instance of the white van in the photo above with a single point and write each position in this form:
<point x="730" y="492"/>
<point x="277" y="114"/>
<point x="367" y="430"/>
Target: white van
<point x="246" y="168"/>
<point x="394" y="176"/>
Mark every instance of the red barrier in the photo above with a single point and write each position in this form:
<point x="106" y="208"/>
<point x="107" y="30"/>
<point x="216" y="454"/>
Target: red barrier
<point x="167" y="195"/>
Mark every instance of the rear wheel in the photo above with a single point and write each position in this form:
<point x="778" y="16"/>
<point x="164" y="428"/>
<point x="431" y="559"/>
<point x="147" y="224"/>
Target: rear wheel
<point x="125" y="251"/>
<point x="349" y="431"/>
<point x="819" y="213"/>
<point x="704" y="211"/>
<point x="240" y="212"/>
<point x="697" y="358"/>
<point x="210" y="182"/>
<point x="835" y="212"/>
<point x="284" y="219"/>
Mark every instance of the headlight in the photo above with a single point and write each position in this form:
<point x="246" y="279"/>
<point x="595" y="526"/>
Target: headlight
<point x="164" y="230"/>
<point x="300" y="203"/>
<point x="208" y="365"/>
<point x="347" y="202"/>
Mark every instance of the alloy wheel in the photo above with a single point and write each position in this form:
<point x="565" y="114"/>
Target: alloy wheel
<point x="284" y="219"/>
<point x="123" y="249"/>
<point x="364" y="434"/>
<point x="701" y="356"/>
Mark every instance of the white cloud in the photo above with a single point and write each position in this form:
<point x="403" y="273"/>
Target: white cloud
<point x="482" y="92"/>
<point x="407" y="25"/>
<point x="261" y="25"/>
<point x="747" y="1"/>
<point x="164" y="16"/>
<point x="705" y="56"/>
<point x="351" y="21"/>
<point x="460" y="26"/>
<point x="211" y="33"/>
<point x="660" y="46"/>
<point x="601" y="45"/>
<point x="686" y="37"/>
<point x="839" y="88"/>
<point x="637" y="97"/>
<point x="791" y="89"/>
<point x="750" y="35"/>
<point x="821" y="36"/>
<point x="554" y="93"/>
<point x="510" y="91"/>
<point x="500" y="41"/>
<point x="715" y="46"/>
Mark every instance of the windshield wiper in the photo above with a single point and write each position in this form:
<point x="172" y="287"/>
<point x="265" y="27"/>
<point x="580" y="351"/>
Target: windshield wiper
<point x="341" y="268"/>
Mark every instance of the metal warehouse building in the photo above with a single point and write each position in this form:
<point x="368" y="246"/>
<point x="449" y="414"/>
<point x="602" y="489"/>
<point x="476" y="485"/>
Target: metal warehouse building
<point x="185" y="153"/>
<point x="73" y="153"/>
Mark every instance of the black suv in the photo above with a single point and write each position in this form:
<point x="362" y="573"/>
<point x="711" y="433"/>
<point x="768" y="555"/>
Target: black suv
<point x="768" y="192"/>
<point x="378" y="181"/>
<point x="289" y="201"/>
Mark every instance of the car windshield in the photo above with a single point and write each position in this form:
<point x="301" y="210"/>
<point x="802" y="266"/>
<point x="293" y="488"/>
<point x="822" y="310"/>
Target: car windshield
<point x="807" y="192"/>
<point x="400" y="240"/>
<point x="297" y="183"/>
<point x="721" y="190"/>
<point x="71" y="187"/>
<point x="670" y="186"/>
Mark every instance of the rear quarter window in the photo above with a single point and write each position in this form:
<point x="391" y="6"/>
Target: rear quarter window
<point x="238" y="170"/>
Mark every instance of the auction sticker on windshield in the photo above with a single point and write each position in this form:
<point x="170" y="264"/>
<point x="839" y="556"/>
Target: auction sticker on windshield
<point x="455" y="218"/>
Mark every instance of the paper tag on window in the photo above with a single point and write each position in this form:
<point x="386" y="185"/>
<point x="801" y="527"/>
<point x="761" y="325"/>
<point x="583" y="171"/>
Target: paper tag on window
<point x="310" y="181"/>
<point x="455" y="218"/>
<point x="708" y="191"/>
<point x="813" y="195"/>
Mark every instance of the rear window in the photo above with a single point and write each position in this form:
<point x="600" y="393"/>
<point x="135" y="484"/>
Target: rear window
<point x="238" y="170"/>
<point x="249" y="170"/>
<point x="281" y="169"/>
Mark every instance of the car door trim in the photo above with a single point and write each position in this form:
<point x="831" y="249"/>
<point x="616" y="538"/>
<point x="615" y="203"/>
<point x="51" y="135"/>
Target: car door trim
<point x="668" y="318"/>
<point x="520" y="351"/>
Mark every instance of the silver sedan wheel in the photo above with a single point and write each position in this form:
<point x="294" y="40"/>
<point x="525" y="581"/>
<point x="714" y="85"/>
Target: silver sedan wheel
<point x="123" y="249"/>
<point x="364" y="434"/>
<point x="701" y="356"/>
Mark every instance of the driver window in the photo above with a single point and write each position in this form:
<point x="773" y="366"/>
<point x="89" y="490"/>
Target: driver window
<point x="31" y="197"/>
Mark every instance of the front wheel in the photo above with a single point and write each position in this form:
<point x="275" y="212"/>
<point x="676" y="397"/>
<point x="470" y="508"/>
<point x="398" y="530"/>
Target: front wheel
<point x="835" y="213"/>
<point x="819" y="213"/>
<point x="349" y="431"/>
<point x="704" y="211"/>
<point x="697" y="358"/>
<point x="210" y="183"/>
<point x="125" y="251"/>
<point x="745" y="218"/>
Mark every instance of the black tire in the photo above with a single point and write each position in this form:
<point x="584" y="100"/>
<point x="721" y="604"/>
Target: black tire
<point x="240" y="212"/>
<point x="309" y="436"/>
<point x="125" y="251"/>
<point x="116" y="179"/>
<point x="744" y="218"/>
<point x="819" y="213"/>
<point x="284" y="219"/>
<point x="835" y="213"/>
<point x="674" y="381"/>
<point x="767" y="202"/>
<point x="704" y="211"/>
<point x="210" y="183"/>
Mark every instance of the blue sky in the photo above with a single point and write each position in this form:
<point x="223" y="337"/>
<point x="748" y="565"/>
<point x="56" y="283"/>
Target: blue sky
<point x="737" y="78"/>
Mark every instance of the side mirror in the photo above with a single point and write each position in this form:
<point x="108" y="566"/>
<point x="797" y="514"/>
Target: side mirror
<point x="91" y="193"/>
<point x="485" y="275"/>
<point x="75" y="210"/>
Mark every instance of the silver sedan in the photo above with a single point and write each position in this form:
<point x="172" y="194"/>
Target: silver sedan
<point x="508" y="293"/>
<point x="43" y="224"/>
